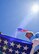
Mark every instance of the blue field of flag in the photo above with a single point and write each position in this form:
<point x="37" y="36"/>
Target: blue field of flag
<point x="10" y="45"/>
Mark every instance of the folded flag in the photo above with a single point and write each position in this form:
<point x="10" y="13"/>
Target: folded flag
<point x="10" y="45"/>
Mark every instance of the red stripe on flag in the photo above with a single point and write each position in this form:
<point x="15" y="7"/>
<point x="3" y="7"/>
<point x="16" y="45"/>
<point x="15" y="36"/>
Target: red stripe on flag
<point x="24" y="30"/>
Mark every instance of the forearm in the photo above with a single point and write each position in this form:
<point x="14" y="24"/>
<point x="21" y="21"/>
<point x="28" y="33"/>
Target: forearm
<point x="32" y="50"/>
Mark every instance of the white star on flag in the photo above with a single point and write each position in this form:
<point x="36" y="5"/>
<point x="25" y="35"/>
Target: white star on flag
<point x="12" y="44"/>
<point x="10" y="50"/>
<point x="25" y="48"/>
<point x="3" y="53"/>
<point x="23" y="53"/>
<point x="4" y="48"/>
<point x="18" y="46"/>
<point x="5" y="42"/>
<point x="0" y="40"/>
<point x="17" y="52"/>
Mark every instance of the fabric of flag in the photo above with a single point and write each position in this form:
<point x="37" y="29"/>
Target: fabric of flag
<point x="37" y="52"/>
<point x="10" y="45"/>
<point x="21" y="30"/>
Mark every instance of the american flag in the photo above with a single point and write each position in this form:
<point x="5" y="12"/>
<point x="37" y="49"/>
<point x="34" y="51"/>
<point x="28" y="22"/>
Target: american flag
<point x="10" y="45"/>
<point x="21" y="30"/>
<point x="37" y="52"/>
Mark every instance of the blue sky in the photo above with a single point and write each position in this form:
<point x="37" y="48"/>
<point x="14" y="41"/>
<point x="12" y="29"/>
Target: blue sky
<point x="13" y="12"/>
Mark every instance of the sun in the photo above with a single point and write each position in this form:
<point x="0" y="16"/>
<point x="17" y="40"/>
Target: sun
<point x="35" y="8"/>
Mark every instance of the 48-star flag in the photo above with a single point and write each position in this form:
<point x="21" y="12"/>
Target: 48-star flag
<point x="10" y="45"/>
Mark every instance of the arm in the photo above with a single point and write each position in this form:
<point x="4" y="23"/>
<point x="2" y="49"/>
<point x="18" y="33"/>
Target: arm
<point x="35" y="43"/>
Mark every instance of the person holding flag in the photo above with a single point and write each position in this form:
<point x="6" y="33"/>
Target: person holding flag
<point x="28" y="34"/>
